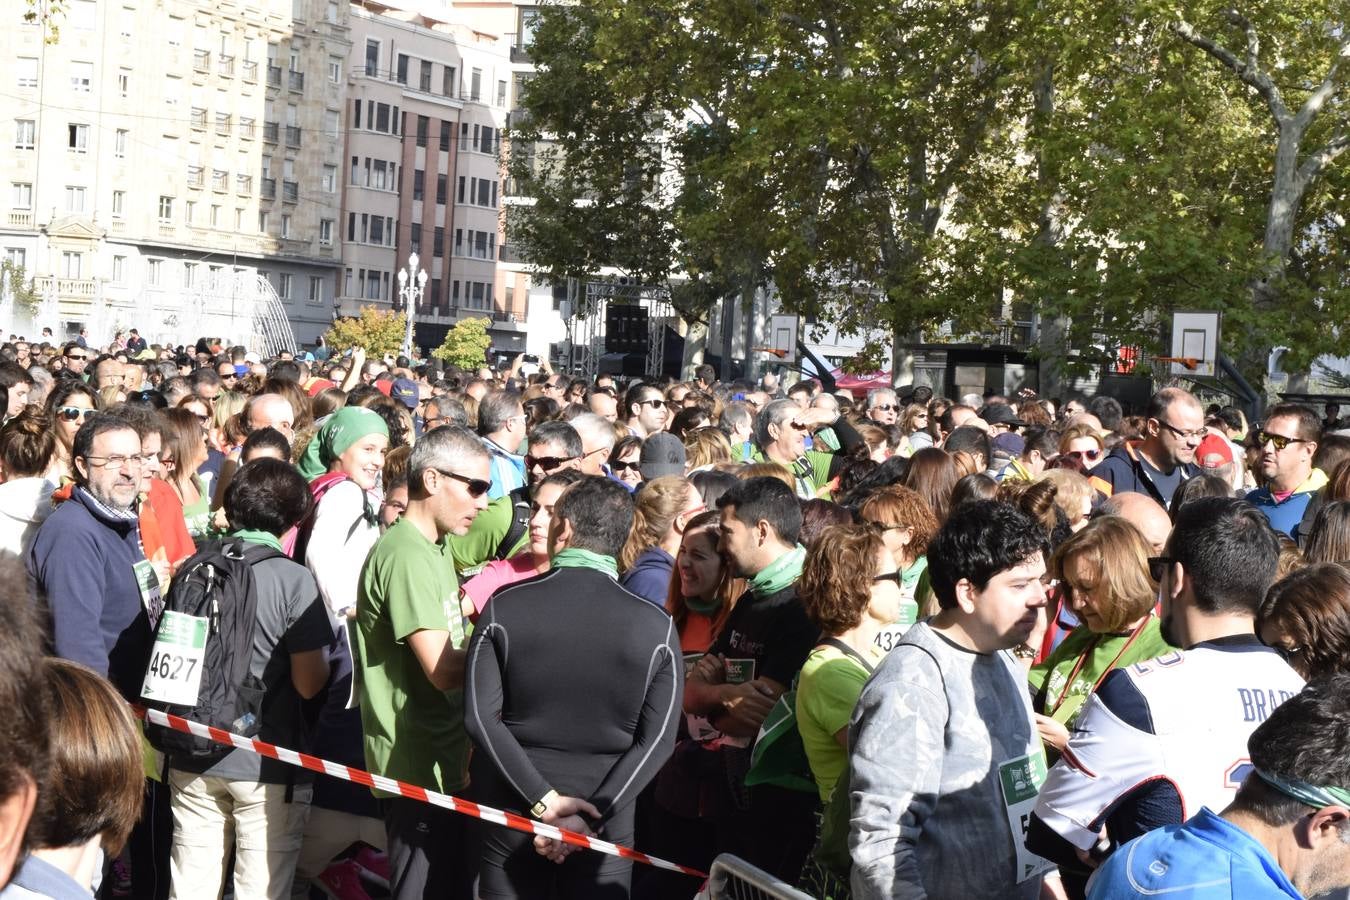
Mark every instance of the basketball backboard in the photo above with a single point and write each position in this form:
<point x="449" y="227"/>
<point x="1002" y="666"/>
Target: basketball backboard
<point x="1195" y="342"/>
<point x="783" y="336"/>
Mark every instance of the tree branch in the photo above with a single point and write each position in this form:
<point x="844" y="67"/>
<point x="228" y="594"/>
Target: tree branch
<point x="1320" y="158"/>
<point x="1313" y="105"/>
<point x="1249" y="71"/>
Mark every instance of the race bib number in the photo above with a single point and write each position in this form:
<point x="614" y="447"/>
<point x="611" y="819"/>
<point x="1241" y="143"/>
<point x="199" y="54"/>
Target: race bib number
<point x="1021" y="780"/>
<point x="147" y="582"/>
<point x="691" y="660"/>
<point x="891" y="634"/>
<point x="175" y="672"/>
<point x="739" y="671"/>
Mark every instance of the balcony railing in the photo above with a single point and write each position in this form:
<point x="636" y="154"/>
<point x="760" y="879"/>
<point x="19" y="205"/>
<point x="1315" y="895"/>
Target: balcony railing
<point x="201" y="61"/>
<point x="274" y="76"/>
<point x="220" y="180"/>
<point x="196" y="176"/>
<point x="269" y="188"/>
<point x="198" y="119"/>
<point x="243" y="185"/>
<point x="507" y="253"/>
<point x="223" y="124"/>
<point x="21" y="219"/>
<point x="225" y="66"/>
<point x="249" y="70"/>
<point x="66" y="287"/>
<point x="270" y="132"/>
<point x="296" y="81"/>
<point x="246" y="129"/>
<point x="292" y="136"/>
<point x="290" y="191"/>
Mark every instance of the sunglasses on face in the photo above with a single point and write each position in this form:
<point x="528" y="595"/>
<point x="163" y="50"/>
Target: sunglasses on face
<point x="1279" y="440"/>
<point x="886" y="407"/>
<point x="1157" y="566"/>
<point x="621" y="466"/>
<point x="1080" y="455"/>
<point x="888" y="576"/>
<point x="547" y="463"/>
<point x="476" y="487"/>
<point x="77" y="356"/>
<point x="654" y="404"/>
<point x="71" y="413"/>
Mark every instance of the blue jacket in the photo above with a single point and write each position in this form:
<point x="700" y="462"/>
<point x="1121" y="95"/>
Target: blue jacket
<point x="1287" y="515"/>
<point x="1205" y="858"/>
<point x="1124" y="472"/>
<point x="81" y="564"/>
<point x="649" y="576"/>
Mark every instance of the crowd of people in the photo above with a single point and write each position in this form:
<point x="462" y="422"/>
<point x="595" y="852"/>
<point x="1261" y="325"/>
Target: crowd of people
<point x="891" y="646"/>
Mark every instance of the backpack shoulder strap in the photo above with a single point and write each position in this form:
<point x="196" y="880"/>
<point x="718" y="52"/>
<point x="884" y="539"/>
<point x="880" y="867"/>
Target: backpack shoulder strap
<point x="519" y="523"/>
<point x="849" y="651"/>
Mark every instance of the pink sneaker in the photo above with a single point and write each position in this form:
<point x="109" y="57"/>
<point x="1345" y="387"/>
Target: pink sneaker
<point x="342" y="881"/>
<point x="374" y="866"/>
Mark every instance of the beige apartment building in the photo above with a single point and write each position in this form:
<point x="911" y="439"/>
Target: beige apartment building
<point x="163" y="148"/>
<point x="427" y="102"/>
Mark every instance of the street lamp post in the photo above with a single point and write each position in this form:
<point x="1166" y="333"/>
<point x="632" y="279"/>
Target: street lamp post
<point x="412" y="281"/>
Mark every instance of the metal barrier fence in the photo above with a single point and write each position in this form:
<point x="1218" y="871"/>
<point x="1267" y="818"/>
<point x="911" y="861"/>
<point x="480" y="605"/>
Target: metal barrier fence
<point x="732" y="878"/>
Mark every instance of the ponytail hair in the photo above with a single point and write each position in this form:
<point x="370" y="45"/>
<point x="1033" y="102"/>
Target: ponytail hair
<point x="655" y="507"/>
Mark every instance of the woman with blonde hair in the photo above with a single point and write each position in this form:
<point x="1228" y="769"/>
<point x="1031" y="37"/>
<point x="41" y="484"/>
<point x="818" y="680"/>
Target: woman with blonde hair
<point x="1080" y="449"/>
<point x="705" y="447"/>
<point x="1073" y="495"/>
<point x="661" y="511"/>
<point x="1104" y="578"/>
<point x="913" y="419"/>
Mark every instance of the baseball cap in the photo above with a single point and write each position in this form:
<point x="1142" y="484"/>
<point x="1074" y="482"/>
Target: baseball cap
<point x="662" y="454"/>
<point x="405" y="392"/>
<point x="1000" y="414"/>
<point x="1213" y="452"/>
<point x="1008" y="444"/>
<point x="241" y="370"/>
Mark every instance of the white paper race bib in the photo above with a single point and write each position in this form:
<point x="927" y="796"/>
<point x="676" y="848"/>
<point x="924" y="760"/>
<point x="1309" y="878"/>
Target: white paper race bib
<point x="891" y="634"/>
<point x="1021" y="780"/>
<point x="175" y="671"/>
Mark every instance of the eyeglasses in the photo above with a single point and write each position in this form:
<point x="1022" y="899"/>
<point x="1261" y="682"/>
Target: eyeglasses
<point x="886" y="407"/>
<point x="476" y="487"/>
<point x="888" y="576"/>
<point x="1157" y="566"/>
<point x="654" y="404"/>
<point x="71" y="413"/>
<point x="231" y="375"/>
<point x="78" y="356"/>
<point x="1197" y="434"/>
<point x="1279" y="440"/>
<point x="621" y="466"/>
<point x="547" y="463"/>
<point x="114" y="462"/>
<point x="1080" y="455"/>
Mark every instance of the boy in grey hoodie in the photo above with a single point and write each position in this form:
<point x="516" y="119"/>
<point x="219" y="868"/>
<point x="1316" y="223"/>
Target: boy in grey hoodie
<point x="945" y="757"/>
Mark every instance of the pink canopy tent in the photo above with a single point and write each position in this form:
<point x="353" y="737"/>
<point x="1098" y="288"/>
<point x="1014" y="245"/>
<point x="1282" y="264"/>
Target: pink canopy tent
<point x="858" y="385"/>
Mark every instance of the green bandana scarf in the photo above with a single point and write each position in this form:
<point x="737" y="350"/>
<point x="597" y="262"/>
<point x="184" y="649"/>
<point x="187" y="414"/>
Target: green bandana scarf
<point x="340" y="430"/>
<point x="573" y="558"/>
<point x="1316" y="796"/>
<point x="703" y="609"/>
<point x="778" y="574"/>
<point x="267" y="539"/>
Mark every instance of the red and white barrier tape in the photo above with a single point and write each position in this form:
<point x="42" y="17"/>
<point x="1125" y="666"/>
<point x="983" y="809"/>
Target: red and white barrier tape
<point x="403" y="789"/>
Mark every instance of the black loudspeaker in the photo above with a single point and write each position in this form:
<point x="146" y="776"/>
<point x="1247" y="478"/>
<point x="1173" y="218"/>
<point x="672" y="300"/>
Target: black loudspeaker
<point x="1132" y="391"/>
<point x="626" y="328"/>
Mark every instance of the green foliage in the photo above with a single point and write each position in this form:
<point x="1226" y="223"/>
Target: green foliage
<point x="950" y="163"/>
<point x="466" y="344"/>
<point x="46" y="13"/>
<point x="379" y="331"/>
<point x="19" y="286"/>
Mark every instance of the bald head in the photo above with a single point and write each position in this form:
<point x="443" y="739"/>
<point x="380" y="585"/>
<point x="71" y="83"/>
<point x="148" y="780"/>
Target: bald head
<point x="270" y="411"/>
<point x="1144" y="513"/>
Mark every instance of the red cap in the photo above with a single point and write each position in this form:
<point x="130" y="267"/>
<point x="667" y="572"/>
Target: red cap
<point x="320" y="384"/>
<point x="1213" y="452"/>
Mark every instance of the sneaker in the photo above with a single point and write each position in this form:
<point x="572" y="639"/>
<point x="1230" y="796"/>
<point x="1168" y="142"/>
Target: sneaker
<point x="342" y="881"/>
<point x="374" y="866"/>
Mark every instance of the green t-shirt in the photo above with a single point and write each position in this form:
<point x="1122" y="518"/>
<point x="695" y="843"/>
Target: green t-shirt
<point x="827" y="690"/>
<point x="413" y="732"/>
<point x="1103" y="653"/>
<point x="477" y="547"/>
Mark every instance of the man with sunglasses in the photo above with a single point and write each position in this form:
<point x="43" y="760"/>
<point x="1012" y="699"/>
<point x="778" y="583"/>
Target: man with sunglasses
<point x="1291" y="491"/>
<point x="76" y="358"/>
<point x="883" y="407"/>
<point x="1160" y="738"/>
<point x="646" y="408"/>
<point x="410" y="641"/>
<point x="1158" y="464"/>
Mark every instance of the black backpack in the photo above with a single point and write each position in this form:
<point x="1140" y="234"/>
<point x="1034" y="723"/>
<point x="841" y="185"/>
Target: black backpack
<point x="205" y="638"/>
<point x="520" y="522"/>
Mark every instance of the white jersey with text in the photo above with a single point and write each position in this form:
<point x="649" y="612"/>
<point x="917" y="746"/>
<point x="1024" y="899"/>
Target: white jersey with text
<point x="1182" y="719"/>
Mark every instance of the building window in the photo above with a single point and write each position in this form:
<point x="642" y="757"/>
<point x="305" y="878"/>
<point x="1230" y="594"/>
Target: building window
<point x="262" y="223"/>
<point x="441" y="188"/>
<point x="330" y="123"/>
<point x="28" y="71"/>
<point x="326" y="232"/>
<point x="334" y="70"/>
<point x="215" y="216"/>
<point x="401" y="72"/>
<point x="424" y="82"/>
<point x="423" y="125"/>
<point x="372" y="57"/>
<point x="330" y="13"/>
<point x="285" y="286"/>
<point x="119" y="269"/>
<point x="165" y="209"/>
<point x="119" y="202"/>
<point x="81" y="77"/>
<point x="154" y="271"/>
<point x="501" y="93"/>
<point x="459" y="196"/>
<point x="123" y="83"/>
<point x="445" y="136"/>
<point x="476" y="85"/>
<point x="74" y="198"/>
<point x="120" y="143"/>
<point x="438" y="242"/>
<point x="330" y="179"/>
<point x="22" y="195"/>
<point x="77" y="138"/>
<point x="189" y="275"/>
<point x="16" y="256"/>
<point x="190" y="212"/>
<point x="419" y="184"/>
<point x="25" y="133"/>
<point x="448" y="81"/>
<point x="71" y="263"/>
<point x="315" y="289"/>
<point x="285" y="226"/>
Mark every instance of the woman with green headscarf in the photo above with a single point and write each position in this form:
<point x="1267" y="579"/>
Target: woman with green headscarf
<point x="343" y="463"/>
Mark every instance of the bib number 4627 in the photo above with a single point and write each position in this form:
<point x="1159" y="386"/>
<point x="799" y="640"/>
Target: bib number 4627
<point x="175" y="672"/>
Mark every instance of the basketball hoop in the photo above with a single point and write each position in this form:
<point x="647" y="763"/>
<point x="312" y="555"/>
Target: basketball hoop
<point x="774" y="350"/>
<point x="1190" y="362"/>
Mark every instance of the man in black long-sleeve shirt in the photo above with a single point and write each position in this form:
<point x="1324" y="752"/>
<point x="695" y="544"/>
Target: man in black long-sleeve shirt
<point x="573" y="694"/>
